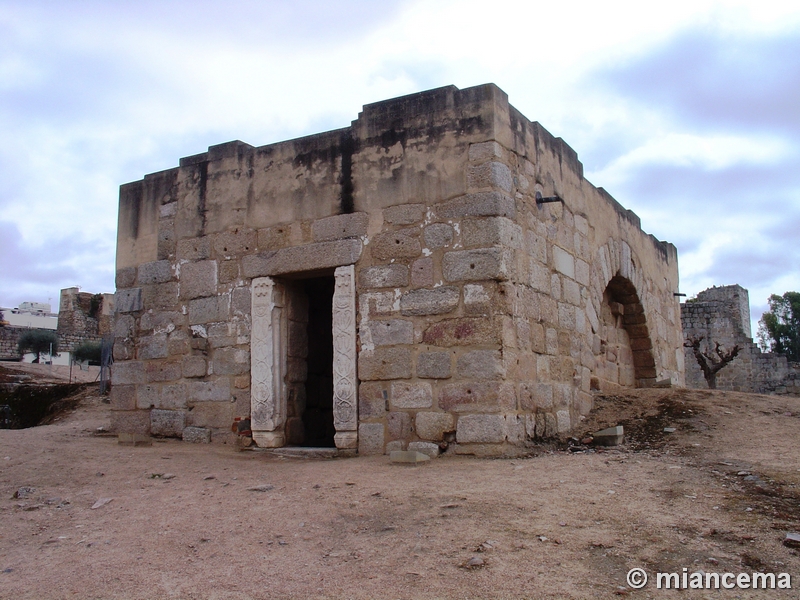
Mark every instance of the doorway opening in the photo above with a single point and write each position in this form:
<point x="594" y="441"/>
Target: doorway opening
<point x="310" y="363"/>
<point x="624" y="356"/>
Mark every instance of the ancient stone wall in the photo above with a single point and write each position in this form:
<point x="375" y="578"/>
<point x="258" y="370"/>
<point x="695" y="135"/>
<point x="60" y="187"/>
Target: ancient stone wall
<point x="722" y="314"/>
<point x="83" y="317"/>
<point x="9" y="338"/>
<point x="465" y="314"/>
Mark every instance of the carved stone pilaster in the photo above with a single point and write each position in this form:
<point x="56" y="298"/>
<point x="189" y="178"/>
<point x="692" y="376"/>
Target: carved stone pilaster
<point x="345" y="404"/>
<point x="267" y="363"/>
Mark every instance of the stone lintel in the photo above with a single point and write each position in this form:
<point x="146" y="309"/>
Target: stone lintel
<point x="309" y="257"/>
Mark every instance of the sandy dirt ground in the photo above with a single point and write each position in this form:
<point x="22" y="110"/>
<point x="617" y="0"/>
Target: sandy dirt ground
<point x="93" y="519"/>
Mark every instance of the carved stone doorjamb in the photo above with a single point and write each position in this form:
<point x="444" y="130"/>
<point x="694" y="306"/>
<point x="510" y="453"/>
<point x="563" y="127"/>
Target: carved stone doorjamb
<point x="268" y="363"/>
<point x="345" y="384"/>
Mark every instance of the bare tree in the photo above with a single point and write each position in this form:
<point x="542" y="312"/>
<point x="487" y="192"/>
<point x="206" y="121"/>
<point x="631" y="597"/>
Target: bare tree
<point x="709" y="363"/>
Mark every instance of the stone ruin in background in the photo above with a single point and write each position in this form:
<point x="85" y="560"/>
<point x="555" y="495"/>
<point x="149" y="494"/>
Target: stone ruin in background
<point x="437" y="275"/>
<point x="722" y="314"/>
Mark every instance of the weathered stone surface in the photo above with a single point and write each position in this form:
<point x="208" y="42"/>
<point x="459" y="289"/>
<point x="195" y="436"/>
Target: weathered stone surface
<point x="563" y="262"/>
<point x="346" y="440"/>
<point x="391" y="332"/>
<point x="394" y="446"/>
<point x="126" y="277"/>
<point x="130" y="421"/>
<point x="411" y="395"/>
<point x="534" y="396"/>
<point x="399" y="425"/>
<point x="404" y="214"/>
<point x="489" y="232"/>
<point x="433" y="425"/>
<point x="384" y="363"/>
<point x="384" y="276"/>
<point x="198" y="279"/>
<point x="159" y="271"/>
<point x="218" y="390"/>
<point x="124" y="326"/>
<point x="428" y="448"/>
<point x="485" y="151"/>
<point x="310" y="257"/>
<point x="477" y="298"/>
<point x="123" y="397"/>
<point x="437" y="301"/>
<point x="241" y="301"/>
<point x="340" y="226"/>
<point x="370" y="438"/>
<point x="477" y="396"/>
<point x="167" y="423"/>
<point x="127" y="372"/>
<point x="162" y="370"/>
<point x="470" y="265"/>
<point x="422" y="272"/>
<point x="173" y="396"/>
<point x="148" y="396"/>
<point x="128" y="300"/>
<point x="124" y="349"/>
<point x="152" y="346"/>
<point x="403" y="243"/>
<point x="238" y="242"/>
<point x="480" y="429"/>
<point x="216" y="415"/>
<point x="481" y="204"/>
<point x="194" y="249"/>
<point x="228" y="271"/>
<point x="160" y="295"/>
<point x="490" y="175"/>
<point x="481" y="364"/>
<point x="209" y="310"/>
<point x="461" y="331"/>
<point x="373" y="399"/>
<point x="161" y="322"/>
<point x="230" y="361"/>
<point x="564" y="421"/>
<point x="433" y="365"/>
<point x="438" y="235"/>
<point x="197" y="435"/>
<point x="274" y="238"/>
<point x="376" y="304"/>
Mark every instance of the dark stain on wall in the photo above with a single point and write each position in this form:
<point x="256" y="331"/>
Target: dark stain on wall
<point x="347" y="145"/>
<point x="201" y="195"/>
<point x="130" y="207"/>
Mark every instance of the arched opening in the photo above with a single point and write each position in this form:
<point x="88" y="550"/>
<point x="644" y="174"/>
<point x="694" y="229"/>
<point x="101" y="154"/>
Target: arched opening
<point x="624" y="352"/>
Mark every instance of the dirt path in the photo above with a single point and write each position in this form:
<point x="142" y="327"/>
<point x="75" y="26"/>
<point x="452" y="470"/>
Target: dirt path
<point x="184" y="521"/>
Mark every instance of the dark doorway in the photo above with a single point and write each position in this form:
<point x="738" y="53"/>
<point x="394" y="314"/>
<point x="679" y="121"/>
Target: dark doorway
<point x="318" y="414"/>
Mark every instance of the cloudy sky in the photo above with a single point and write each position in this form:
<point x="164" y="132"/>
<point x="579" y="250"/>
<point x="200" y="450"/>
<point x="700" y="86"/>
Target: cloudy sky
<point x="687" y="112"/>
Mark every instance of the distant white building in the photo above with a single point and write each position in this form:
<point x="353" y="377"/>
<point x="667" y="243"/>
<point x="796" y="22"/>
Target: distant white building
<point x="31" y="314"/>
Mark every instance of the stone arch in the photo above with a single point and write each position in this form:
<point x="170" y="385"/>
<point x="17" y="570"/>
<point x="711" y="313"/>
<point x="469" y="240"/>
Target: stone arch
<point x="623" y="346"/>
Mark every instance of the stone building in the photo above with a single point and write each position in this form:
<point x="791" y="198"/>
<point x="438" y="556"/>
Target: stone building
<point x="83" y="317"/>
<point x="438" y="274"/>
<point x="722" y="314"/>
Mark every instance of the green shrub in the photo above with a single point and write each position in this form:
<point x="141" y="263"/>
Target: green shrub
<point x="87" y="351"/>
<point x="38" y="341"/>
